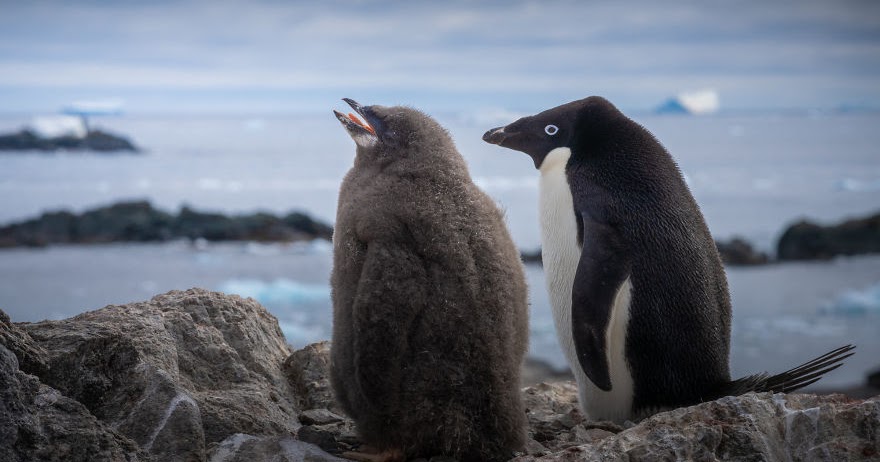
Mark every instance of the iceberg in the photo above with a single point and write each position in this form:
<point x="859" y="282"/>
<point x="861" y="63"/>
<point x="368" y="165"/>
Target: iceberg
<point x="58" y="126"/>
<point x="280" y="292"/>
<point x="97" y="107"/>
<point x="854" y="185"/>
<point x="698" y="102"/>
<point x="855" y="302"/>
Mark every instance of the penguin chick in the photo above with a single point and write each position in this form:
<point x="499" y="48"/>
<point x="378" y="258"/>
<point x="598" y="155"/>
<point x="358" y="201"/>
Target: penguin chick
<point x="430" y="317"/>
<point x="638" y="292"/>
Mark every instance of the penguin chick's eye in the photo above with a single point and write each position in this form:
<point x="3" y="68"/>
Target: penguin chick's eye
<point x="551" y="129"/>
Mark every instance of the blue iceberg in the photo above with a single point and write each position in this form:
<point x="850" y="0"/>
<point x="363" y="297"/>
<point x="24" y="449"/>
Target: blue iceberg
<point x="855" y="302"/>
<point x="280" y="292"/>
<point x="693" y="103"/>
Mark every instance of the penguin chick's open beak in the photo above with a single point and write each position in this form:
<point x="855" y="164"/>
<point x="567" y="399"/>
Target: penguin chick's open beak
<point x="495" y="136"/>
<point x="361" y="131"/>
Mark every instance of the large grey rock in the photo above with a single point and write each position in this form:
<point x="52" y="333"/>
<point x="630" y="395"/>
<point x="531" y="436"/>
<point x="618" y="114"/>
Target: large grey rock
<point x="756" y="427"/>
<point x="38" y="423"/>
<point x="176" y="373"/>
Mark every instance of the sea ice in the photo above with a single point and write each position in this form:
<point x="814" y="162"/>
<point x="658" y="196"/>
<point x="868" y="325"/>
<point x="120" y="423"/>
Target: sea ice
<point x="855" y="302"/>
<point x="55" y="126"/>
<point x="692" y="102"/>
<point x="854" y="185"/>
<point x="278" y="292"/>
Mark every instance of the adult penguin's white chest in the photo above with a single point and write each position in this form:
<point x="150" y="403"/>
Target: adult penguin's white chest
<point x="560" y="253"/>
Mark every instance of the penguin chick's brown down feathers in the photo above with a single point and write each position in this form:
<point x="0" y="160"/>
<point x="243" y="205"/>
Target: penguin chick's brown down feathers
<point x="430" y="317"/>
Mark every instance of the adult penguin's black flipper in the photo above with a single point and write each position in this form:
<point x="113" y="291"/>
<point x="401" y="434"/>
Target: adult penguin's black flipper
<point x="600" y="274"/>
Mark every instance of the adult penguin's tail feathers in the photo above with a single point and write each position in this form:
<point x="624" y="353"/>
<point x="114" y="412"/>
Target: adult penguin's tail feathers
<point x="790" y="380"/>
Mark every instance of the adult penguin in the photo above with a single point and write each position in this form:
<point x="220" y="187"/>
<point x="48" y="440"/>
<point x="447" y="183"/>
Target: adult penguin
<point x="638" y="291"/>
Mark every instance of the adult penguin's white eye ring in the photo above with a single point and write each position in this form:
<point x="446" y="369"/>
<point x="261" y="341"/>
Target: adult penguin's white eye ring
<point x="551" y="129"/>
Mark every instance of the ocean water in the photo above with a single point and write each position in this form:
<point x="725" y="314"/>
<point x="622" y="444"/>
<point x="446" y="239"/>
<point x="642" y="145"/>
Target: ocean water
<point x="751" y="174"/>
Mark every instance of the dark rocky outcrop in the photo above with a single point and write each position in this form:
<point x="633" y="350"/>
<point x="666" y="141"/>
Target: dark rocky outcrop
<point x="801" y="241"/>
<point x="809" y="241"/>
<point x="196" y="376"/>
<point x="94" y="140"/>
<point x="735" y="252"/>
<point x="532" y="257"/>
<point x="139" y="221"/>
<point x="738" y="252"/>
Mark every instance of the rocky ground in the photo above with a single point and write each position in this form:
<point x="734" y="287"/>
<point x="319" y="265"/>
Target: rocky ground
<point x="203" y="376"/>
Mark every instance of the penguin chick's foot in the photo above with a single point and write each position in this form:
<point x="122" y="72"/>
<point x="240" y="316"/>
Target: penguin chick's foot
<point x="369" y="454"/>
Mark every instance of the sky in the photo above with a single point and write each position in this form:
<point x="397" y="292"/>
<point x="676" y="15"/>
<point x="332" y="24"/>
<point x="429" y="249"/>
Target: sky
<point x="292" y="57"/>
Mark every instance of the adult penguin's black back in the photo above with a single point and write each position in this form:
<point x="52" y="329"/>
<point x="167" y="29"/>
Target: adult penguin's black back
<point x="639" y="293"/>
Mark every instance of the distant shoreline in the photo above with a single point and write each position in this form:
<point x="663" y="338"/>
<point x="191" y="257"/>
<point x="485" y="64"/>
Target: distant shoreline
<point x="139" y="221"/>
<point x="801" y="241"/>
<point x="94" y="140"/>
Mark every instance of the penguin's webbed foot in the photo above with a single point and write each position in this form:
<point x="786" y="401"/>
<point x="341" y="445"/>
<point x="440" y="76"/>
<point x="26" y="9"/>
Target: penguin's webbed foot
<point x="370" y="454"/>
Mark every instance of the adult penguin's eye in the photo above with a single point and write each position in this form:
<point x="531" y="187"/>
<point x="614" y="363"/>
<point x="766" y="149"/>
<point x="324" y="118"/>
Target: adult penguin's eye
<point x="551" y="129"/>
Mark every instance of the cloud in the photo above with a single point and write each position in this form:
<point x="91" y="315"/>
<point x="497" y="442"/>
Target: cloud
<point x="828" y="50"/>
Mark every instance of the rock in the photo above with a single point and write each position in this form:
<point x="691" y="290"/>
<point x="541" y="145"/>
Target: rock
<point x="319" y="417"/>
<point x="138" y="221"/>
<point x="256" y="227"/>
<point x="324" y="423"/>
<point x="749" y="427"/>
<point x="94" y="140"/>
<point x="246" y="448"/>
<point x="531" y="257"/>
<point x="334" y="438"/>
<point x="200" y="376"/>
<point x="177" y="373"/>
<point x="101" y="141"/>
<point x="873" y="379"/>
<point x="38" y="423"/>
<point x="30" y="356"/>
<point x="738" y="251"/>
<point x="308" y="371"/>
<point x="809" y="241"/>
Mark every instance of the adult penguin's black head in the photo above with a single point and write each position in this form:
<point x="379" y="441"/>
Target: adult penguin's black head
<point x="572" y="125"/>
